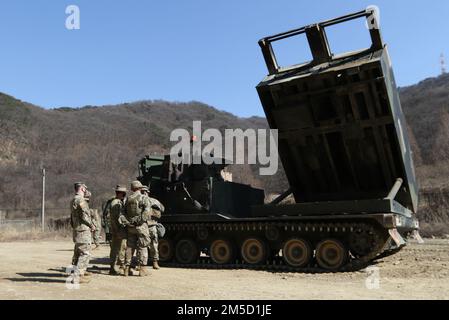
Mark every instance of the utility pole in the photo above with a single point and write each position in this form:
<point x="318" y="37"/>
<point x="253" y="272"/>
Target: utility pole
<point x="443" y="64"/>
<point x="43" y="201"/>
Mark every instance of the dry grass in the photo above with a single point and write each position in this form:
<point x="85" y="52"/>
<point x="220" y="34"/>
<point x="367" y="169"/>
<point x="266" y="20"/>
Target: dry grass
<point x="9" y="234"/>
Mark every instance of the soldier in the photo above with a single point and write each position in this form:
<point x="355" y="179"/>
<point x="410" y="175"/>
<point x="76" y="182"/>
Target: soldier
<point x="106" y="219"/>
<point x="137" y="214"/>
<point x="118" y="231"/>
<point x="82" y="225"/>
<point x="96" y="235"/>
<point x="156" y="210"/>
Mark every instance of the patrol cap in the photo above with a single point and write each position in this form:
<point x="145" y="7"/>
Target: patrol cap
<point x="76" y="185"/>
<point x="120" y="188"/>
<point x="136" y="185"/>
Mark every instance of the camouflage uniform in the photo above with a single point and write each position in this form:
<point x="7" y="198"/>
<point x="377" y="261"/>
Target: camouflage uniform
<point x="81" y="222"/>
<point x="96" y="235"/>
<point x="118" y="235"/>
<point x="138" y="213"/>
<point x="95" y="218"/>
<point x="156" y="209"/>
<point x="106" y="219"/>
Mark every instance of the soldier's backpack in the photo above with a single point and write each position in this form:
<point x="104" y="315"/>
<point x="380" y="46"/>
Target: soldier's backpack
<point x="132" y="208"/>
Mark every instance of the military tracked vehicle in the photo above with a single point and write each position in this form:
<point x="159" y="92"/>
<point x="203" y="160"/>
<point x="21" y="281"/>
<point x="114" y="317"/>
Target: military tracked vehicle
<point x="344" y="147"/>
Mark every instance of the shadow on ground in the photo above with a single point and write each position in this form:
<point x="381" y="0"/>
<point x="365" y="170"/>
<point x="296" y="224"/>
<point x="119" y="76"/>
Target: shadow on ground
<point x="41" y="277"/>
<point x="100" y="261"/>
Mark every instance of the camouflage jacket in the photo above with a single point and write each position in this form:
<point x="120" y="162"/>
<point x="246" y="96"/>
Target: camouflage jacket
<point x="106" y="216"/>
<point x="117" y="208"/>
<point x="80" y="220"/>
<point x="95" y="217"/>
<point x="138" y="209"/>
<point x="156" y="210"/>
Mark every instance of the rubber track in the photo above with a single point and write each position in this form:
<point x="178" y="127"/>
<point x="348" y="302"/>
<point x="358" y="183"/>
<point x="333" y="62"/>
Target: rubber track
<point x="277" y="264"/>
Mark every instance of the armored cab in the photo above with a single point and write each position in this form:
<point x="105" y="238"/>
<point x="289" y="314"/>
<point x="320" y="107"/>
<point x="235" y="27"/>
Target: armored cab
<point x="344" y="147"/>
<point x="197" y="190"/>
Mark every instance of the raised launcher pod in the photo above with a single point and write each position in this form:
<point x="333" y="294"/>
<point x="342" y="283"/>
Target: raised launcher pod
<point x="342" y="134"/>
<point x="342" y="139"/>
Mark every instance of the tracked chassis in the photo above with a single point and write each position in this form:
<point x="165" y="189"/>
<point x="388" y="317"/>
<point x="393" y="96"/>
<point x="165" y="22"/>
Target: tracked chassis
<point x="327" y="242"/>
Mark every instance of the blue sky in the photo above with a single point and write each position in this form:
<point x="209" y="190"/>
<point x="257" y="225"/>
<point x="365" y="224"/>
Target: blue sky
<point x="189" y="49"/>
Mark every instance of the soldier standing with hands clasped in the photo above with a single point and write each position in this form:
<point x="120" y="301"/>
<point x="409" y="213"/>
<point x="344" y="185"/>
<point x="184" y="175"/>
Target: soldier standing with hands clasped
<point x="118" y="231"/>
<point x="96" y="235"/>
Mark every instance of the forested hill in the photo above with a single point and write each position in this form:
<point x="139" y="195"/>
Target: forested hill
<point x="102" y="145"/>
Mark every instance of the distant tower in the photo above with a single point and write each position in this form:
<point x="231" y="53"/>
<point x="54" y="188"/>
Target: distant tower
<point x="443" y="64"/>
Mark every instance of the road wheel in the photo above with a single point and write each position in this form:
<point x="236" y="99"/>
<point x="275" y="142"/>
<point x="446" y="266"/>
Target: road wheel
<point x="297" y="253"/>
<point x="331" y="254"/>
<point x="203" y="234"/>
<point x="363" y="241"/>
<point x="165" y="250"/>
<point x="272" y="233"/>
<point x="221" y="251"/>
<point x="254" y="251"/>
<point x="186" y="251"/>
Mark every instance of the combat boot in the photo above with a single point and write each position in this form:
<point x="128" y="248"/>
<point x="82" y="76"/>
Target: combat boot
<point x="143" y="272"/>
<point x="81" y="279"/>
<point x="84" y="279"/>
<point x="156" y="265"/>
<point x="126" y="271"/>
<point x="114" y="272"/>
<point x="121" y="270"/>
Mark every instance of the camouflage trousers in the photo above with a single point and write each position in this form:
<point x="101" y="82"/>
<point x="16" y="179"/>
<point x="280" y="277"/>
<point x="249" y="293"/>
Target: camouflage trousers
<point x="138" y="240"/>
<point x="81" y="256"/>
<point x="154" y="244"/>
<point x="118" y="252"/>
<point x="96" y="235"/>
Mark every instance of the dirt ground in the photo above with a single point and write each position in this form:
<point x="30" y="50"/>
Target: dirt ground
<point x="32" y="270"/>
